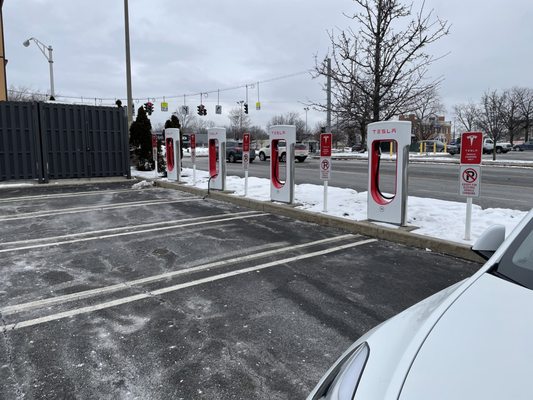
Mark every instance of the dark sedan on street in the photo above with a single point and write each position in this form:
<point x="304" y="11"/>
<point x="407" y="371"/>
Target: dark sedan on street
<point x="524" y="146"/>
<point x="234" y="152"/>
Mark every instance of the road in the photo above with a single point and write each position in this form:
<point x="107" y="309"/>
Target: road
<point x="112" y="293"/>
<point x="502" y="187"/>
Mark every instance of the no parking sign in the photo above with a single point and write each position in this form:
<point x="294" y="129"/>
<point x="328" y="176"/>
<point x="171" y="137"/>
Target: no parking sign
<point x="470" y="178"/>
<point x="325" y="156"/>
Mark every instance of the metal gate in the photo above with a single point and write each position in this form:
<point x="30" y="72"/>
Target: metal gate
<point x="20" y="148"/>
<point x="69" y="141"/>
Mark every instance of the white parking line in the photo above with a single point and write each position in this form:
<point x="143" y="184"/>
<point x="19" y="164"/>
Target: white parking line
<point x="126" y="285"/>
<point x="121" y="228"/>
<point x="75" y="210"/>
<point x="130" y="299"/>
<point x="37" y="246"/>
<point x="71" y="194"/>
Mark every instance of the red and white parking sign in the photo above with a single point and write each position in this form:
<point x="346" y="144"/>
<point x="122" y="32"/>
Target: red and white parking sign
<point x="325" y="156"/>
<point x="469" y="180"/>
<point x="470" y="171"/>
<point x="245" y="151"/>
<point x="325" y="145"/>
<point x="471" y="147"/>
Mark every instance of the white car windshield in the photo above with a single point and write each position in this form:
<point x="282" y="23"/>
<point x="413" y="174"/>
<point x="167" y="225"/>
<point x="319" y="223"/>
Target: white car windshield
<point x="517" y="262"/>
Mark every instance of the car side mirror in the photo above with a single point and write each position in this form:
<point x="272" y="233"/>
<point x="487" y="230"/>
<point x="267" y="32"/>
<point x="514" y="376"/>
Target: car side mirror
<point x="487" y="244"/>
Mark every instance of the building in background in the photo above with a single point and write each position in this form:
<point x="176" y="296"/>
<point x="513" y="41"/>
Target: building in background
<point x="431" y="127"/>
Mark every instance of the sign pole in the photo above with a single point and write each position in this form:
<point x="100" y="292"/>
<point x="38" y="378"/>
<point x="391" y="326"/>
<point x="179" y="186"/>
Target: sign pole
<point x="468" y="217"/>
<point x="325" y="196"/>
<point x="325" y="164"/>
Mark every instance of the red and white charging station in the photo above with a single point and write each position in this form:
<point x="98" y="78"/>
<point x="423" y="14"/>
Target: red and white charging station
<point x="216" y="138"/>
<point x="388" y="207"/>
<point x="173" y="154"/>
<point x="282" y="136"/>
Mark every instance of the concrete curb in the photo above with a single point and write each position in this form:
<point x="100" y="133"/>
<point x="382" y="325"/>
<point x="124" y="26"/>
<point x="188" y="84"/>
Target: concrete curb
<point x="361" y="227"/>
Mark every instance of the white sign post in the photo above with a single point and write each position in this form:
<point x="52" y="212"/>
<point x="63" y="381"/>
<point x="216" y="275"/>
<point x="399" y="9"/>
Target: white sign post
<point x="192" y="140"/>
<point x="325" y="164"/>
<point x="246" y="160"/>
<point x="470" y="172"/>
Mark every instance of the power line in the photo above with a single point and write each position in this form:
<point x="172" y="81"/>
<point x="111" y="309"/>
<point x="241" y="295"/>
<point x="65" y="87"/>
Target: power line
<point x="184" y="96"/>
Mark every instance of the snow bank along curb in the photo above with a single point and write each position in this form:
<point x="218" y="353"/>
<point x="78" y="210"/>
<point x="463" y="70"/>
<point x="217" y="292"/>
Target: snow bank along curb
<point x="361" y="227"/>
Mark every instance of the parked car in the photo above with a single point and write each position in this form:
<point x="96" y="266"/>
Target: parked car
<point x="432" y="145"/>
<point x="359" y="148"/>
<point x="234" y="152"/>
<point x="469" y="341"/>
<point x="524" y="146"/>
<point x="301" y="152"/>
<point x="501" y="147"/>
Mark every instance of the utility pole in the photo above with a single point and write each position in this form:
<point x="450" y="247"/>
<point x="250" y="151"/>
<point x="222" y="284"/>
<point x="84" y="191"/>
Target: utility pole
<point x="128" y="64"/>
<point x="241" y="102"/>
<point x="3" y="76"/>
<point x="328" y="89"/>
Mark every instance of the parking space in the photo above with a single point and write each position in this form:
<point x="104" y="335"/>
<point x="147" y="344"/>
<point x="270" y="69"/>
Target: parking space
<point x="112" y="293"/>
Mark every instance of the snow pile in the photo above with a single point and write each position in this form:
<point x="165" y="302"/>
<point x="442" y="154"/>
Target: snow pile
<point x="436" y="218"/>
<point x="143" y="185"/>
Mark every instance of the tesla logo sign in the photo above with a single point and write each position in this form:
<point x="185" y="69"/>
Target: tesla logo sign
<point x="471" y="147"/>
<point x="325" y="145"/>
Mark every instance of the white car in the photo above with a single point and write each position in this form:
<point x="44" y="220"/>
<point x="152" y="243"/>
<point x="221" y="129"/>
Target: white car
<point x="473" y="340"/>
<point x="301" y="152"/>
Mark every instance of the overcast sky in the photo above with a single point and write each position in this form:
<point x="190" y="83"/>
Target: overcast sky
<point x="186" y="47"/>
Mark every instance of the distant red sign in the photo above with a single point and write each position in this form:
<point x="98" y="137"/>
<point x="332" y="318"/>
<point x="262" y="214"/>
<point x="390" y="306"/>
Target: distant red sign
<point x="154" y="141"/>
<point x="246" y="142"/>
<point x="471" y="147"/>
<point x="192" y="140"/>
<point x="325" y="145"/>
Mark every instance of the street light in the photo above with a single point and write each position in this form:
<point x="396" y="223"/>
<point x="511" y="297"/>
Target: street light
<point x="306" y="109"/>
<point x="50" y="59"/>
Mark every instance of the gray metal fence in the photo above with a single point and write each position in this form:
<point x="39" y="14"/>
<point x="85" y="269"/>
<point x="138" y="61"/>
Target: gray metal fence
<point x="20" y="149"/>
<point x="53" y="141"/>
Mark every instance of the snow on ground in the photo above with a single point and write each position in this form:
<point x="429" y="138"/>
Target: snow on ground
<point x="436" y="218"/>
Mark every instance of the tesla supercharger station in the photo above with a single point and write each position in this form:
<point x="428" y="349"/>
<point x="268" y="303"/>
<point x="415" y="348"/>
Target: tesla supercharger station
<point x="173" y="154"/>
<point x="282" y="190"/>
<point x="216" y="138"/>
<point x="388" y="207"/>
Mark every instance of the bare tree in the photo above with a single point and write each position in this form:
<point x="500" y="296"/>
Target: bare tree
<point x="290" y="118"/>
<point x="492" y="116"/>
<point x="379" y="70"/>
<point x="187" y="120"/>
<point x="525" y="106"/>
<point x="427" y="109"/>
<point x="512" y="119"/>
<point x="23" y="93"/>
<point x="239" y="121"/>
<point x="467" y="115"/>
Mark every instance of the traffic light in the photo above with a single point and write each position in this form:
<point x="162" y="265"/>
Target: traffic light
<point x="149" y="108"/>
<point x="246" y="108"/>
<point x="202" y="110"/>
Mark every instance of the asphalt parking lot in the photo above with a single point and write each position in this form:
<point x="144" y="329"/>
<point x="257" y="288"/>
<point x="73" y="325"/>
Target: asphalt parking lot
<point x="112" y="293"/>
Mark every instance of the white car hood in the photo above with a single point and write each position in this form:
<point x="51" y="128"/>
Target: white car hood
<point x="481" y="348"/>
